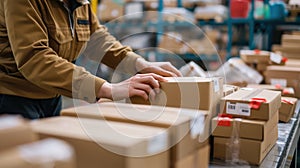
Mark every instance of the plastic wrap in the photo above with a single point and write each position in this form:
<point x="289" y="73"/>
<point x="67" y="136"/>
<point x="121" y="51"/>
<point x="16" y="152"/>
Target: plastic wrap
<point x="236" y="71"/>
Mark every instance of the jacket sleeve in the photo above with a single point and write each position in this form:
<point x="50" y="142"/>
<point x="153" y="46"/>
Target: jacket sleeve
<point x="116" y="56"/>
<point x="37" y="62"/>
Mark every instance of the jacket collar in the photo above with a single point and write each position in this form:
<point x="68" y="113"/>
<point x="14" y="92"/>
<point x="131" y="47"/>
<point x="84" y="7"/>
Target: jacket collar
<point x="82" y="2"/>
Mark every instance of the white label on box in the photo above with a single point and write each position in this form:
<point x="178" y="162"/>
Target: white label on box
<point x="231" y="108"/>
<point x="238" y="109"/>
<point x="275" y="58"/>
<point x="281" y="82"/>
<point x="158" y="143"/>
<point x="216" y="85"/>
<point x="243" y="109"/>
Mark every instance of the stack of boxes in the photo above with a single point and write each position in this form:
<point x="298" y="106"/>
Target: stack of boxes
<point x="98" y="143"/>
<point x="288" y="100"/>
<point x="181" y="125"/>
<point x="260" y="60"/>
<point x="20" y="147"/>
<point x="130" y="135"/>
<point x="247" y="129"/>
<point x="289" y="46"/>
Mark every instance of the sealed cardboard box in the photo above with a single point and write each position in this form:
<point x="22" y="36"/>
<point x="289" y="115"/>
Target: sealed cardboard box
<point x="255" y="56"/>
<point x="228" y="89"/>
<point x="285" y="91"/>
<point x="109" y="10"/>
<point x="262" y="66"/>
<point x="44" y="153"/>
<point x="252" y="103"/>
<point x="15" y="131"/>
<point x="293" y="62"/>
<point x="197" y="159"/>
<point x="284" y="76"/>
<point x="290" y="40"/>
<point x="187" y="92"/>
<point x="182" y="124"/>
<point x="99" y="143"/>
<point x="244" y="128"/>
<point x="287" y="109"/>
<point x="251" y="151"/>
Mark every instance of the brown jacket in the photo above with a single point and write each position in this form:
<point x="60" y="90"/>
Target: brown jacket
<point x="37" y="46"/>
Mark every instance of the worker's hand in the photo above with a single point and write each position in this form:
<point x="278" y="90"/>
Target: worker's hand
<point x="161" y="68"/>
<point x="143" y="85"/>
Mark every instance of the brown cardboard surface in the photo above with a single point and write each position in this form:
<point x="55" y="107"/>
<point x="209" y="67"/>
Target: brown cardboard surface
<point x="293" y="62"/>
<point x="14" y="131"/>
<point x="110" y="10"/>
<point x="262" y="67"/>
<point x="242" y="98"/>
<point x="187" y="92"/>
<point x="287" y="109"/>
<point x="285" y="49"/>
<point x="197" y="159"/>
<point x="251" y="151"/>
<point x="178" y="121"/>
<point x="250" y="56"/>
<point x="99" y="143"/>
<point x="285" y="91"/>
<point x="33" y="155"/>
<point x="190" y="92"/>
<point x="286" y="74"/>
<point x="288" y="39"/>
<point x="248" y="129"/>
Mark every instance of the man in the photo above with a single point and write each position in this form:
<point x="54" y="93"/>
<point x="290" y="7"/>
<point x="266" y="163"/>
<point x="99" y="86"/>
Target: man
<point x="39" y="41"/>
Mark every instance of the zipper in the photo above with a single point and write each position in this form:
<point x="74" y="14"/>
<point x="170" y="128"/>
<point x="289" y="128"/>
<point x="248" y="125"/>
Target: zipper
<point x="71" y="20"/>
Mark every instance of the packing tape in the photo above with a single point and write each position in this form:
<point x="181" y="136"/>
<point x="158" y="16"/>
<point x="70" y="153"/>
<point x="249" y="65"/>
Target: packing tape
<point x="233" y="145"/>
<point x="287" y="101"/>
<point x="224" y="120"/>
<point x="255" y="103"/>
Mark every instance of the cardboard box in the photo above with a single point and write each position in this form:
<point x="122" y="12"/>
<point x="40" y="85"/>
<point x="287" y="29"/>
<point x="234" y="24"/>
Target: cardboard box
<point x="262" y="66"/>
<point x="287" y="109"/>
<point x="293" y="62"/>
<point x="251" y="151"/>
<point x="14" y="131"/>
<point x="109" y="10"/>
<point x="44" y="153"/>
<point x="99" y="143"/>
<point x="252" y="103"/>
<point x="187" y="92"/>
<point x="284" y="76"/>
<point x="197" y="159"/>
<point x="285" y="91"/>
<point x="255" y="56"/>
<point x="228" y="89"/>
<point x="290" y="40"/>
<point x="181" y="123"/>
<point x="247" y="129"/>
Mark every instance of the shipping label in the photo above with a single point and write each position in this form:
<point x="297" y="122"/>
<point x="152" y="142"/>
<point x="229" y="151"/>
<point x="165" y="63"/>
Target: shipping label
<point x="238" y="109"/>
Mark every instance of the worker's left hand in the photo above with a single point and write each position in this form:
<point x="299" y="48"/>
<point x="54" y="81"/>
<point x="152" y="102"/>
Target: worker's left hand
<point x="161" y="68"/>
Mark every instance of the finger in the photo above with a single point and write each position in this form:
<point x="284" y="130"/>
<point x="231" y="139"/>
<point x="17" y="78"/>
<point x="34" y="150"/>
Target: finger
<point x="147" y="88"/>
<point x="140" y="93"/>
<point x="149" y="80"/>
<point x="169" y="67"/>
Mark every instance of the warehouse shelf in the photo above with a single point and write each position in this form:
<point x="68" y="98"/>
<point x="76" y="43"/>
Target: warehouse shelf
<point x="282" y="153"/>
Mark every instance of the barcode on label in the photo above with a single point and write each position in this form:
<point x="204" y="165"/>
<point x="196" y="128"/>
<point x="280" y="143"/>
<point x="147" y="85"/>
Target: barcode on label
<point x="230" y="106"/>
<point x="238" y="109"/>
<point x="244" y="111"/>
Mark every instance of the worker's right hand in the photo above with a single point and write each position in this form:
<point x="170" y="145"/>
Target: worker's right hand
<point x="143" y="85"/>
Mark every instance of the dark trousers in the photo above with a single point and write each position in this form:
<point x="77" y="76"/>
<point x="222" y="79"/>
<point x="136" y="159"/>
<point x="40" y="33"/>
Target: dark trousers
<point x="30" y="108"/>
